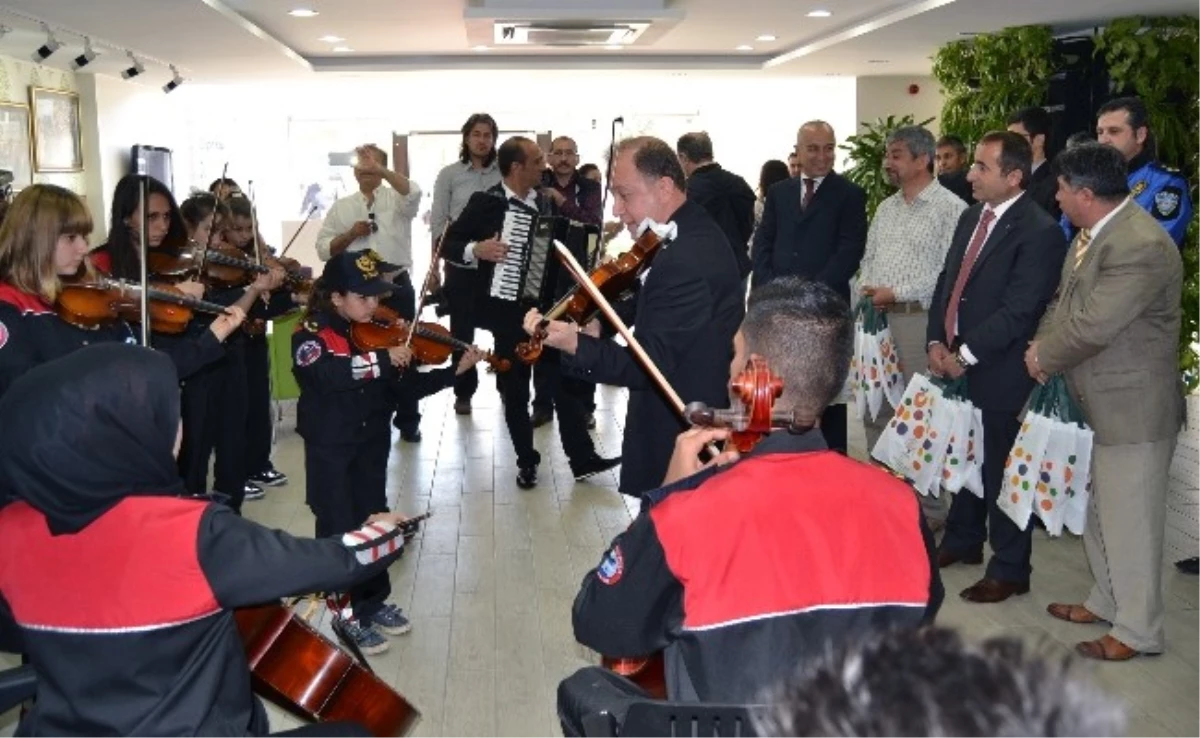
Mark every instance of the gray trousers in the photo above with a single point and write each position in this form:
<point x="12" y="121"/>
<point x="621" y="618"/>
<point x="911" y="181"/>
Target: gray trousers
<point x="1124" y="539"/>
<point x="908" y="331"/>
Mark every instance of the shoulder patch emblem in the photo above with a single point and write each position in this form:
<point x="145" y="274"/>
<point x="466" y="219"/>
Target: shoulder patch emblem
<point x="1166" y="203"/>
<point x="3" y="334"/>
<point x="612" y="567"/>
<point x="308" y="353"/>
<point x="1138" y="188"/>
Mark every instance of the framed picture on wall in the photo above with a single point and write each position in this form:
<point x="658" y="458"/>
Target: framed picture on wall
<point x="56" y="134"/>
<point x="15" y="150"/>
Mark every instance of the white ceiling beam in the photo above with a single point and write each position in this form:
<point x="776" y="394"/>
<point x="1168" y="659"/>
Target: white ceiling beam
<point x="254" y="30"/>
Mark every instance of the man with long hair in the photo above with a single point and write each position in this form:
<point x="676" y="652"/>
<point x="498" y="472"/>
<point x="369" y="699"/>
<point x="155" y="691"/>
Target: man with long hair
<point x="475" y="171"/>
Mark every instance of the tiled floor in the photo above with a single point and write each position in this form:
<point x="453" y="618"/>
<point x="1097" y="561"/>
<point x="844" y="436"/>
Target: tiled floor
<point x="489" y="583"/>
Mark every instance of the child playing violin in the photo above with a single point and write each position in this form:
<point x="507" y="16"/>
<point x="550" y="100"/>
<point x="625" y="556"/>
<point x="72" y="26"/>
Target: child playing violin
<point x="120" y="588"/>
<point x="42" y="242"/>
<point x="343" y="416"/>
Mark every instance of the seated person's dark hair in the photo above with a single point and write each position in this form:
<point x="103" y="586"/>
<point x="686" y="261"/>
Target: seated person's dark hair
<point x="931" y="682"/>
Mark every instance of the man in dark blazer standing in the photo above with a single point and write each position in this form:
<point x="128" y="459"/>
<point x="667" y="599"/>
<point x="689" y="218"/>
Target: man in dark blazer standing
<point x="473" y="246"/>
<point x="726" y="196"/>
<point x="814" y="226"/>
<point x="685" y="314"/>
<point x="1033" y="124"/>
<point x="1000" y="273"/>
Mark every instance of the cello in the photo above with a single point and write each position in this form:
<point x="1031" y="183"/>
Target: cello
<point x="307" y="674"/>
<point x="756" y="388"/>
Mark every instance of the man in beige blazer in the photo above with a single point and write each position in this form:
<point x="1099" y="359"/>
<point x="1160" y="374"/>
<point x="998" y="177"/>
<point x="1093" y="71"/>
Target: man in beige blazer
<point x="1113" y="329"/>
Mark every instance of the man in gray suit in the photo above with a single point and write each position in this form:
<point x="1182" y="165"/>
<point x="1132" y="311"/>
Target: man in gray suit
<point x="1114" y="331"/>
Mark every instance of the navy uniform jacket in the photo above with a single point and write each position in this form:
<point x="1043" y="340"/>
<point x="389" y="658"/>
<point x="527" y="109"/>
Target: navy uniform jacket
<point x="1161" y="192"/>
<point x="743" y="573"/>
<point x="342" y="400"/>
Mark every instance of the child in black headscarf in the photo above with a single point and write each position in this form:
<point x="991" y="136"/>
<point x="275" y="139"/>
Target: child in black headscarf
<point x="121" y="589"/>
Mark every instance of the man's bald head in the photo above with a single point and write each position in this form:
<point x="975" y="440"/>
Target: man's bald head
<point x="816" y="148"/>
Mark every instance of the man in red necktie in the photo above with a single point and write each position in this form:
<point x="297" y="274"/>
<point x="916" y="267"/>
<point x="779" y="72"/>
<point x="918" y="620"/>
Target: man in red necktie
<point x="1000" y="273"/>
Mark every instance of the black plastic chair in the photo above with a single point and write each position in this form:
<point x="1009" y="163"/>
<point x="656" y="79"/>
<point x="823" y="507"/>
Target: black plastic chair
<point x="671" y="719"/>
<point x="16" y="686"/>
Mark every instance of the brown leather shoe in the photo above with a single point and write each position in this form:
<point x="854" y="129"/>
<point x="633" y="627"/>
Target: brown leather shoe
<point x="1106" y="649"/>
<point x="947" y="558"/>
<point x="993" y="590"/>
<point x="1073" y="613"/>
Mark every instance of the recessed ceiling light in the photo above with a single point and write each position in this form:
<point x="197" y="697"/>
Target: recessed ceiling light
<point x="613" y="47"/>
<point x="878" y="61"/>
<point x="303" y="13"/>
<point x="765" y="37"/>
<point x="480" y="48"/>
<point x="332" y="39"/>
<point x="745" y="47"/>
<point x="342" y="49"/>
<point x="819" y="14"/>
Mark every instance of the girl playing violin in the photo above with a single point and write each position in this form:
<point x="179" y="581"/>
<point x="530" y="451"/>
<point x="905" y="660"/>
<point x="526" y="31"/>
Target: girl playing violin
<point x="42" y="241"/>
<point x="121" y="589"/>
<point x="343" y="412"/>
<point x="215" y="400"/>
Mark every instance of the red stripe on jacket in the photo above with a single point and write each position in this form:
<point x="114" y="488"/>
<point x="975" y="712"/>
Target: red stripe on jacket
<point x="135" y="567"/>
<point x="779" y="534"/>
<point x="335" y="342"/>
<point x="23" y="301"/>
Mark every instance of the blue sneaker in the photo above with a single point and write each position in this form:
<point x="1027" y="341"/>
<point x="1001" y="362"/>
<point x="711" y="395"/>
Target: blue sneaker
<point x="390" y="619"/>
<point x="368" y="640"/>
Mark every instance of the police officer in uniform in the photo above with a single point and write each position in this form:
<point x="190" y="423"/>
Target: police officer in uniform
<point x="1123" y="124"/>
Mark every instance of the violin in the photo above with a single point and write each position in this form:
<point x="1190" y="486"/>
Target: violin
<point x="103" y="301"/>
<point x="431" y="343"/>
<point x="613" y="279"/>
<point x="756" y="388"/>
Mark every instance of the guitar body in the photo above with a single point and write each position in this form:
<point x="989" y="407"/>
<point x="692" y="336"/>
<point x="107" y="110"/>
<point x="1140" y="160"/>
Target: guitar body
<point x="648" y="673"/>
<point x="302" y="671"/>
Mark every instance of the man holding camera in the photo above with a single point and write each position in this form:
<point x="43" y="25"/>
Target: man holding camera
<point x="380" y="218"/>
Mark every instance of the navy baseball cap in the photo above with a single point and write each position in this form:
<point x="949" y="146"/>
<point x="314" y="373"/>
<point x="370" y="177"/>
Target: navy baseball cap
<point x="360" y="272"/>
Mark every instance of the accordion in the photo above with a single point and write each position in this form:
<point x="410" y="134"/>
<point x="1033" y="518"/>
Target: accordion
<point x="530" y="272"/>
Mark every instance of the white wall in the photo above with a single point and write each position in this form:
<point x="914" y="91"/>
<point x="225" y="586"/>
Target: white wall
<point x="116" y="115"/>
<point x="879" y="97"/>
<point x="750" y="117"/>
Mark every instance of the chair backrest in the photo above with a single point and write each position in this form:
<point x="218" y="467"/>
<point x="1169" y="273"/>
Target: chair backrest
<point x="670" y="719"/>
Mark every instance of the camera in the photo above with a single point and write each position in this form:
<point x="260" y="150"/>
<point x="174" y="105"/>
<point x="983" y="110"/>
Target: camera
<point x="371" y="220"/>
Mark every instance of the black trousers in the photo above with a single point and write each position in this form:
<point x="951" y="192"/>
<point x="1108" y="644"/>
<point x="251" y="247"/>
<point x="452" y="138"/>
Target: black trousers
<point x="345" y="484"/>
<point x="547" y="374"/>
<point x="504" y="321"/>
<point x="459" y="291"/>
<point x="403" y="300"/>
<point x="972" y="521"/>
<point x="215" y="406"/>
<point x="260" y="422"/>
<point x="593" y="690"/>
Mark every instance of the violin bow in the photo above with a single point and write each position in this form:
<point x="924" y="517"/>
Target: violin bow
<point x="292" y="240"/>
<point x="433" y="262"/>
<point x="212" y="231"/>
<point x="258" y="258"/>
<point x="144" y="256"/>
<point x="581" y="276"/>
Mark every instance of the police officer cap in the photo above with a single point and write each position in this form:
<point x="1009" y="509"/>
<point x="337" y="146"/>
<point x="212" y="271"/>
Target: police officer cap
<point x="360" y="272"/>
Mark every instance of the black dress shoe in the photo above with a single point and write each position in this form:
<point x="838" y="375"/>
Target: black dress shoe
<point x="411" y="436"/>
<point x="527" y="477"/>
<point x="1189" y="566"/>
<point x="462" y="407"/>
<point x="541" y="417"/>
<point x="594" y="466"/>
<point x="988" y="590"/>
<point x="949" y="558"/>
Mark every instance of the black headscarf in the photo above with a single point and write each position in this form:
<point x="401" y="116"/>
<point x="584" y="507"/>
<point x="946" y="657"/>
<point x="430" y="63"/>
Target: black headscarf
<point x="85" y="431"/>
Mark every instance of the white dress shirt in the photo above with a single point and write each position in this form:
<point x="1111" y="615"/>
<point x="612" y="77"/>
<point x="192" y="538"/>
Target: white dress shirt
<point x="393" y="214"/>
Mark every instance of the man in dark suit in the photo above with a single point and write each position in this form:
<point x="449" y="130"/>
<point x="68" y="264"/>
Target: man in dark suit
<point x="814" y="226"/>
<point x="1000" y="273"/>
<point x="685" y="314"/>
<point x="472" y="244"/>
<point x="726" y="196"/>
<point x="1033" y="124"/>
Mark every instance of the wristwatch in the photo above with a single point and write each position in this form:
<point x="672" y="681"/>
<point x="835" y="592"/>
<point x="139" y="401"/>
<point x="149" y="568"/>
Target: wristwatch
<point x="962" y="361"/>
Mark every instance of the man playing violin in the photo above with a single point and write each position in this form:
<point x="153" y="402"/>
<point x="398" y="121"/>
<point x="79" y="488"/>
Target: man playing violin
<point x="739" y="569"/>
<point x="685" y="313"/>
<point x="472" y="247"/>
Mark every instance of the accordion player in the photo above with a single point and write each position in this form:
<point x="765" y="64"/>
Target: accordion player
<point x="530" y="273"/>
